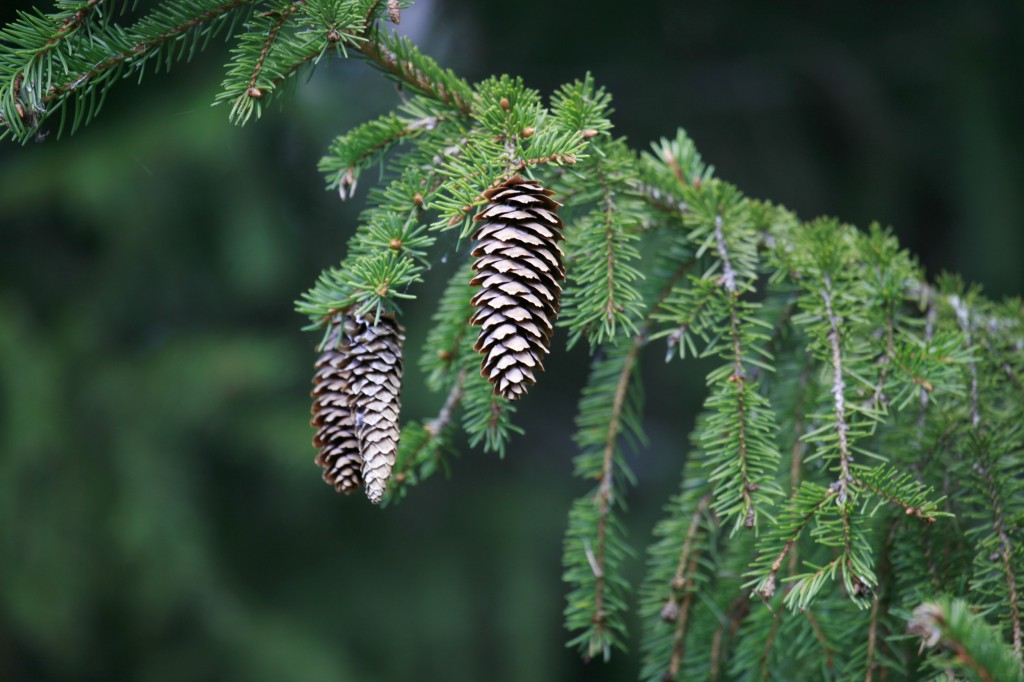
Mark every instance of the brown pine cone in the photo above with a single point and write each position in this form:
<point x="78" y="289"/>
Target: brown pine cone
<point x="335" y="438"/>
<point x="375" y="370"/>
<point x="519" y="267"/>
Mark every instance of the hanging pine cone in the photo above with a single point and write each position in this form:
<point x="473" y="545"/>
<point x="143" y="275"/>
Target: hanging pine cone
<point x="519" y="266"/>
<point x="333" y="419"/>
<point x="375" y="372"/>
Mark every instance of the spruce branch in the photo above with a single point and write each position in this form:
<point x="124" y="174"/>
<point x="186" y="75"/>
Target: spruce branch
<point x="402" y="61"/>
<point x="838" y="391"/>
<point x="966" y="642"/>
<point x="860" y="333"/>
<point x="594" y="548"/>
<point x="84" y="76"/>
<point x="605" y="496"/>
<point x="800" y="511"/>
<point x="677" y="608"/>
<point x="279" y="18"/>
<point x="963" y="318"/>
<point x="601" y="249"/>
<point x="422" y="443"/>
<point x="1005" y="547"/>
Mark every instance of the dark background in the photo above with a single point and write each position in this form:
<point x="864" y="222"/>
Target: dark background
<point x="160" y="515"/>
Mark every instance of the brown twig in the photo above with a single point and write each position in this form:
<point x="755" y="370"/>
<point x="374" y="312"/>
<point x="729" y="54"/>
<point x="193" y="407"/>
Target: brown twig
<point x="682" y="588"/>
<point x="820" y="635"/>
<point x="603" y="496"/>
<point x="411" y="76"/>
<point x="282" y="18"/>
<point x="1006" y="551"/>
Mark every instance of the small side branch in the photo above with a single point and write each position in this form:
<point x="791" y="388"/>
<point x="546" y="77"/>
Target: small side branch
<point x="769" y="582"/>
<point x="434" y="429"/>
<point x="728" y="273"/>
<point x="407" y="72"/>
<point x="436" y="426"/>
<point x="609" y="236"/>
<point x="68" y="26"/>
<point x="963" y="318"/>
<point x="838" y="392"/>
<point x="605" y="490"/>
<point x="282" y="18"/>
<point x="1006" y="551"/>
<point x="677" y="609"/>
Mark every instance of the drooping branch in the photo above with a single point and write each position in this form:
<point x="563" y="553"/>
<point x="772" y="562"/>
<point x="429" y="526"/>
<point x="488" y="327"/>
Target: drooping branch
<point x="603" y="498"/>
<point x="1005" y="553"/>
<point x="838" y="391"/>
<point x="677" y="608"/>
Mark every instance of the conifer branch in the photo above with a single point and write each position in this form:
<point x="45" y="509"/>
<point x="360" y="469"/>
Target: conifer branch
<point x="1005" y="552"/>
<point x="826" y="648"/>
<point x="282" y="17"/>
<point x="823" y="295"/>
<point x="738" y="610"/>
<point x="385" y="57"/>
<point x="800" y="511"/>
<point x="963" y="318"/>
<point x="967" y="642"/>
<point x="728" y="276"/>
<point x="677" y="609"/>
<point x="139" y="51"/>
<point x="838" y="391"/>
<point x="421" y="444"/>
<point x="604" y="497"/>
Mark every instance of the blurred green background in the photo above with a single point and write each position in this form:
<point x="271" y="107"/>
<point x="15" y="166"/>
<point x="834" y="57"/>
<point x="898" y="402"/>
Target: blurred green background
<point x="160" y="514"/>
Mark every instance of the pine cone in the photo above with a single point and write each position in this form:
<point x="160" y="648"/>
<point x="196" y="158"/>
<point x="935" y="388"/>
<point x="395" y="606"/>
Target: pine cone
<point x="332" y="416"/>
<point x="375" y="369"/>
<point x="519" y="266"/>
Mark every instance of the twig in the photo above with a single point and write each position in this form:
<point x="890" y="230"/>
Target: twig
<point x="728" y="273"/>
<point x="439" y="423"/>
<point x="434" y="428"/>
<point x="1006" y="551"/>
<point x="838" y="392"/>
<point x="407" y="72"/>
<point x="603" y="496"/>
<point x="963" y="318"/>
<point x="826" y="649"/>
<point x="688" y="558"/>
<point x="282" y="17"/>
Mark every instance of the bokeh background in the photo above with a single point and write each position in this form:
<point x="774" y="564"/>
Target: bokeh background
<point x="160" y="515"/>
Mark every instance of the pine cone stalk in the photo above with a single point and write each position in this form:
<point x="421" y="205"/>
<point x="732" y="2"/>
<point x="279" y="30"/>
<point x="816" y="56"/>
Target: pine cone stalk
<point x="519" y="267"/>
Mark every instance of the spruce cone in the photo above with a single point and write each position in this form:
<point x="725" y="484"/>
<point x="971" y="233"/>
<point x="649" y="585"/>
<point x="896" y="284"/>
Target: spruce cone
<point x="375" y="371"/>
<point x="519" y="266"/>
<point x="335" y="438"/>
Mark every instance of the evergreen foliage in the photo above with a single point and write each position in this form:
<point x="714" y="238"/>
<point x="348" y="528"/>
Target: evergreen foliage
<point x="859" y="452"/>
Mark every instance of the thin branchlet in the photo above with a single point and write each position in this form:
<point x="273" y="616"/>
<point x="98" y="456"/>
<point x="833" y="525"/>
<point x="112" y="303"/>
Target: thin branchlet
<point x="1005" y="552"/>
<point x="838" y="390"/>
<point x="605" y="490"/>
<point x="282" y="17"/>
<point x="963" y="318"/>
<point x="682" y="589"/>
